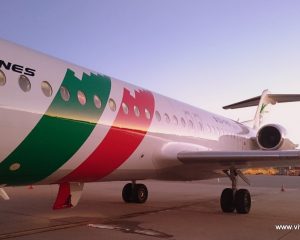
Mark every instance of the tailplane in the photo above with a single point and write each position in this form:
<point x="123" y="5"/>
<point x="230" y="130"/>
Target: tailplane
<point x="262" y="102"/>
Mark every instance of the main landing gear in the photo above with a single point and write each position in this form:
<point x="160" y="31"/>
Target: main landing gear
<point x="135" y="193"/>
<point x="233" y="198"/>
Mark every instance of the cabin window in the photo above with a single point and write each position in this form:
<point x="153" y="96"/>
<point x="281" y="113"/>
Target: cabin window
<point x="2" y="78"/>
<point x="183" y="122"/>
<point x="209" y="128"/>
<point x="112" y="104"/>
<point x="81" y="97"/>
<point x="190" y="124"/>
<point x="46" y="89"/>
<point x="64" y="93"/>
<point x="136" y="111"/>
<point x="157" y="115"/>
<point x="125" y="108"/>
<point x="14" y="166"/>
<point x="212" y="129"/>
<point x="175" y="120"/>
<point x="147" y="113"/>
<point x="97" y="102"/>
<point x="167" y="118"/>
<point x="200" y="126"/>
<point x="24" y="83"/>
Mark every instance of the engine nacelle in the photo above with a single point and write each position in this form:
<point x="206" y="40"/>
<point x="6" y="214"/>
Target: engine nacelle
<point x="271" y="137"/>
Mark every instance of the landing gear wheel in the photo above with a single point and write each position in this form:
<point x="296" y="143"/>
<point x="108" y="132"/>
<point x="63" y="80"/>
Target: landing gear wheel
<point x="127" y="193"/>
<point x="227" y="200"/>
<point x="135" y="193"/>
<point x="140" y="193"/>
<point x="242" y="201"/>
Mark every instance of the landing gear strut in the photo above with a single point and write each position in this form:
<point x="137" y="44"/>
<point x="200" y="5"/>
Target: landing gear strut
<point x="135" y="193"/>
<point x="234" y="199"/>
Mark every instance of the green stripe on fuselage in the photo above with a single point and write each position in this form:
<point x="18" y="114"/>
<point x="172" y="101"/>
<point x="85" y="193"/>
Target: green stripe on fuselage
<point x="60" y="132"/>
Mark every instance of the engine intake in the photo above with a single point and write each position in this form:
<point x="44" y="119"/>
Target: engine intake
<point x="270" y="137"/>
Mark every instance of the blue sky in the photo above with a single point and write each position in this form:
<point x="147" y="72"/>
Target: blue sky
<point x="207" y="53"/>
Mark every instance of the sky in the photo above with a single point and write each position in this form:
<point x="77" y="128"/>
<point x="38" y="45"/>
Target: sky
<point x="207" y="53"/>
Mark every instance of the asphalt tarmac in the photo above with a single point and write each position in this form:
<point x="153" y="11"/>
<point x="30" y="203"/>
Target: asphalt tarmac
<point x="174" y="210"/>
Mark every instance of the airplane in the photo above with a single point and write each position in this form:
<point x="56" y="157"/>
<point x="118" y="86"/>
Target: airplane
<point x="67" y="125"/>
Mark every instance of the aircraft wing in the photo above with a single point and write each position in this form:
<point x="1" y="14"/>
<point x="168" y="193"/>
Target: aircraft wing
<point x="219" y="160"/>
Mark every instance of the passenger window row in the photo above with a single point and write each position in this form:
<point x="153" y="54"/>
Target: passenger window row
<point x="188" y="123"/>
<point x="25" y="86"/>
<point x="65" y="94"/>
<point x="175" y="120"/>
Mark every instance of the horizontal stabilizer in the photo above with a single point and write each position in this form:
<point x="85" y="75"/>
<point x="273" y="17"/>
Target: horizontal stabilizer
<point x="262" y="102"/>
<point x="273" y="99"/>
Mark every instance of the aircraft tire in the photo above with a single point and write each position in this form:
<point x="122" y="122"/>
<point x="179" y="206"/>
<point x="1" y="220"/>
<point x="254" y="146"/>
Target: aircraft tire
<point x="140" y="193"/>
<point x="127" y="193"/>
<point x="242" y="201"/>
<point x="227" y="200"/>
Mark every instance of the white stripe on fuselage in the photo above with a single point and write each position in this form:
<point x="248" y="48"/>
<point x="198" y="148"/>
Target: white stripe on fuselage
<point x="21" y="111"/>
<point x="98" y="134"/>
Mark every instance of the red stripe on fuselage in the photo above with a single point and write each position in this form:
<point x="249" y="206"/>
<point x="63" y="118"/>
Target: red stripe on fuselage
<point x="121" y="141"/>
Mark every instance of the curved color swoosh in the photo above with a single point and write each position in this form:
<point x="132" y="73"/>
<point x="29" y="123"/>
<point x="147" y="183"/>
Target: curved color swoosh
<point x="60" y="132"/>
<point x="121" y="141"/>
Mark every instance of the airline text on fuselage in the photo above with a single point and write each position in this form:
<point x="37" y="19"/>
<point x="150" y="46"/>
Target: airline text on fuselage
<point x="17" y="68"/>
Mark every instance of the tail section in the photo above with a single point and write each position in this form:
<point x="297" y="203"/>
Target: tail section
<point x="262" y="102"/>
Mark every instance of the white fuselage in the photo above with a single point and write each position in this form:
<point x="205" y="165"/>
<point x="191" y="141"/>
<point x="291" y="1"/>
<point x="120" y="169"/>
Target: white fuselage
<point x="173" y="125"/>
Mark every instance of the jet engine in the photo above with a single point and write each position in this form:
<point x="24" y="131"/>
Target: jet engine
<point x="271" y="137"/>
